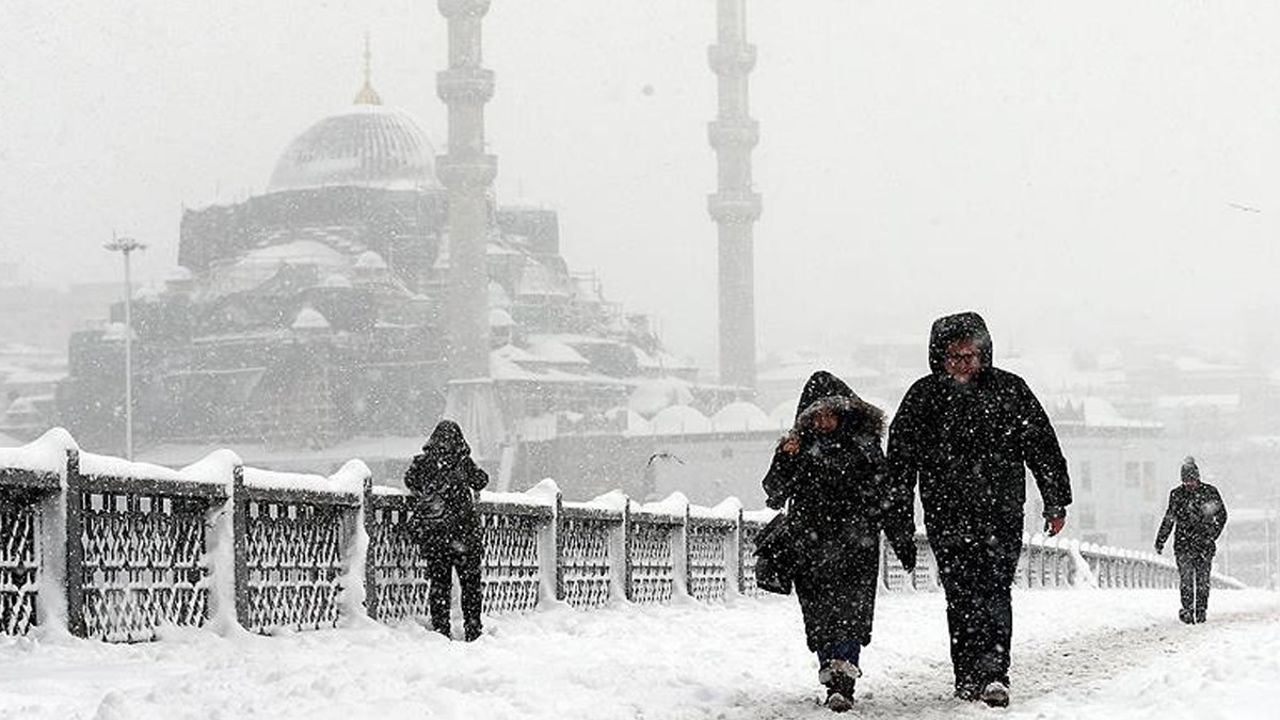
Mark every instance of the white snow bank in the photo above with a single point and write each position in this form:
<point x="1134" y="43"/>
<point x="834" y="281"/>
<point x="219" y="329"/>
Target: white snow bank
<point x="1106" y="654"/>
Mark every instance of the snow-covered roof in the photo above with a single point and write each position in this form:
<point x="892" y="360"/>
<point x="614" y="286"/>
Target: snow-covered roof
<point x="1223" y="401"/>
<point x="742" y="415"/>
<point x="680" y="420"/>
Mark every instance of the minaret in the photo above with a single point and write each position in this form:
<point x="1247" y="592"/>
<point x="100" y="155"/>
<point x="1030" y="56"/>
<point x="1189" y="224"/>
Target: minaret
<point x="367" y="95"/>
<point x="467" y="171"/>
<point x="735" y="206"/>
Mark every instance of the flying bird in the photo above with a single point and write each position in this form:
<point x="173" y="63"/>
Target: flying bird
<point x="664" y="456"/>
<point x="1244" y="208"/>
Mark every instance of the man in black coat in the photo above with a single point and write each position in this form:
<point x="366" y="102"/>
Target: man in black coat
<point x="444" y="478"/>
<point x="966" y="432"/>
<point x="1196" y="508"/>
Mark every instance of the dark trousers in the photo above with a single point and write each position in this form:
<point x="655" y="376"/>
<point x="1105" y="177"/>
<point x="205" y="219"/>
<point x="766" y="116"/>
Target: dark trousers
<point x="1193" y="574"/>
<point x="976" y="577"/>
<point x="467" y="563"/>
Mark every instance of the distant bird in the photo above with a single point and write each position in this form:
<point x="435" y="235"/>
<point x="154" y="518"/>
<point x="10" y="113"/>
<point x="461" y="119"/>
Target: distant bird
<point x="647" y="90"/>
<point x="664" y="456"/>
<point x="1245" y="208"/>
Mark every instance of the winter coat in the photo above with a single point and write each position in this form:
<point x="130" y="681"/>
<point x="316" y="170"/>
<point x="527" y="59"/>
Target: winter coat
<point x="1199" y="514"/>
<point x="967" y="444"/>
<point x="444" y="478"/>
<point x="835" y="485"/>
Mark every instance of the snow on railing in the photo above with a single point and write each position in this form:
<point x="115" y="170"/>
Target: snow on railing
<point x="104" y="548"/>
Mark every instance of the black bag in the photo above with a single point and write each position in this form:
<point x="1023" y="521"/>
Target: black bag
<point x="775" y="556"/>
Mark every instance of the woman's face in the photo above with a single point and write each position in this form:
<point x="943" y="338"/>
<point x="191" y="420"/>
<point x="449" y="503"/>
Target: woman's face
<point x="825" y="421"/>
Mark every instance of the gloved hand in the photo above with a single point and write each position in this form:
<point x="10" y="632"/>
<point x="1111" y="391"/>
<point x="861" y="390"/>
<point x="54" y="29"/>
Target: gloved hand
<point x="1054" y="525"/>
<point x="1159" y="549"/>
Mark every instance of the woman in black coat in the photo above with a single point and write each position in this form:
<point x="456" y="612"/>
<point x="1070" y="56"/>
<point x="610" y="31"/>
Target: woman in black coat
<point x="444" y="479"/>
<point x="831" y="470"/>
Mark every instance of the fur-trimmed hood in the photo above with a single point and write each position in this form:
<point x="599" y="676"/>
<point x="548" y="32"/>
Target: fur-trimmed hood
<point x="824" y="390"/>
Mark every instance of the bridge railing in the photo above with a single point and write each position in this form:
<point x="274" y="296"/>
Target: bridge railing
<point x="117" y="551"/>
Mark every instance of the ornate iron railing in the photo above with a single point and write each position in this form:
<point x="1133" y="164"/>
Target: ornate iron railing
<point x="295" y="545"/>
<point x="138" y="555"/>
<point x="20" y="551"/>
<point x="141" y="557"/>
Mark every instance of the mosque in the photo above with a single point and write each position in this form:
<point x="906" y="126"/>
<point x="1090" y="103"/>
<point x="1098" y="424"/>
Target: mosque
<point x="375" y="287"/>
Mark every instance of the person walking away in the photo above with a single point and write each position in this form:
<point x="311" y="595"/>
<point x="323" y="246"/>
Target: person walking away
<point x="965" y="433"/>
<point x="444" y="480"/>
<point x="1197" y="511"/>
<point x="831" y="469"/>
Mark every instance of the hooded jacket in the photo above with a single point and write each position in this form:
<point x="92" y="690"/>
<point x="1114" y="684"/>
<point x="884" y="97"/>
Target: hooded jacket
<point x="968" y="445"/>
<point x="835" y="485"/>
<point x="443" y="478"/>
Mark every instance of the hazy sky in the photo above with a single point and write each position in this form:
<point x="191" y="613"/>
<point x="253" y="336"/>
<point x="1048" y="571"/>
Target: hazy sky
<point x="1078" y="171"/>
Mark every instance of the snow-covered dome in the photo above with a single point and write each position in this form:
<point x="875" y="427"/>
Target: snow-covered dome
<point x="364" y="145"/>
<point x="336" y="280"/>
<point x="651" y="396"/>
<point x="737" y="416"/>
<point x="679" y="419"/>
<point x="499" y="318"/>
<point x="370" y="260"/>
<point x="310" y="319"/>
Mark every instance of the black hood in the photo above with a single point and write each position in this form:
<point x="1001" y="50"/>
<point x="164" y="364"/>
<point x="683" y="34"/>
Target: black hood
<point x="859" y="416"/>
<point x="947" y="330"/>
<point x="446" y="441"/>
<point x="820" y="385"/>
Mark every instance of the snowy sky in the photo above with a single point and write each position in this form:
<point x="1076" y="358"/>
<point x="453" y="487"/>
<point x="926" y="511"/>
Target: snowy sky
<point x="1078" y="171"/>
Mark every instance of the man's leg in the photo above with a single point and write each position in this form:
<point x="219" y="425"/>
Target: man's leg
<point x="1187" y="588"/>
<point x="439" y="593"/>
<point x="955" y="571"/>
<point x="1204" y="577"/>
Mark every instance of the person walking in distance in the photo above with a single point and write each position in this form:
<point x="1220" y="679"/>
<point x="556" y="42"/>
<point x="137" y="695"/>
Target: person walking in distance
<point x="444" y="480"/>
<point x="966" y="433"/>
<point x="1197" y="511"/>
<point x="829" y="467"/>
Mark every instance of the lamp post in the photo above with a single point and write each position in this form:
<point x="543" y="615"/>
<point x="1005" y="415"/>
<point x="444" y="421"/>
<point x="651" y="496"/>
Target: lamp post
<point x="125" y="246"/>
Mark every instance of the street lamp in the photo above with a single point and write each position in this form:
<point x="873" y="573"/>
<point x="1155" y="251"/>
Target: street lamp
<point x="125" y="246"/>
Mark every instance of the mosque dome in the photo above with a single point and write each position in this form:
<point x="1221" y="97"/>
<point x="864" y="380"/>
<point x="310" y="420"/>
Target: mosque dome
<point x="367" y="145"/>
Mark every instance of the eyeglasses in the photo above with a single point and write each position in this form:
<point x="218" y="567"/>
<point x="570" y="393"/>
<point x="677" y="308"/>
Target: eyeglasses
<point x="965" y="357"/>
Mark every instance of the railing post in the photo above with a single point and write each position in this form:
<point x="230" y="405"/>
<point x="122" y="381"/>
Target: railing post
<point x="240" y="544"/>
<point x="627" y="550"/>
<point x="74" y="578"/>
<point x="687" y="555"/>
<point x="739" y="570"/>
<point x="370" y="571"/>
<point x="558" y="520"/>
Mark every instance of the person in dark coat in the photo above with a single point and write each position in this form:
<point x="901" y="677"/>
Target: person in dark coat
<point x="1196" y="508"/>
<point x="830" y="468"/>
<point x="964" y="433"/>
<point x="444" y="479"/>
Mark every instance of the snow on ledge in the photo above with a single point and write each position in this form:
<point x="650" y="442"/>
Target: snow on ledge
<point x="109" y="466"/>
<point x="348" y="479"/>
<point x="47" y="453"/>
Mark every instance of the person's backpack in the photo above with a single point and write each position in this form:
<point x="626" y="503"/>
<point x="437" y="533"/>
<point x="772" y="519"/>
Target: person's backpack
<point x="775" y="556"/>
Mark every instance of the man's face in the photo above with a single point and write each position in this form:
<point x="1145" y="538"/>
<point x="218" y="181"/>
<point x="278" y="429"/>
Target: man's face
<point x="1191" y="481"/>
<point x="963" y="360"/>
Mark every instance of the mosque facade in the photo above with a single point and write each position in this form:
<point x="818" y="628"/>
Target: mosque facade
<point x="315" y="312"/>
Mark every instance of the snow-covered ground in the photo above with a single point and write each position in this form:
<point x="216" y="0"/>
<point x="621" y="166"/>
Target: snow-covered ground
<point x="1078" y="654"/>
